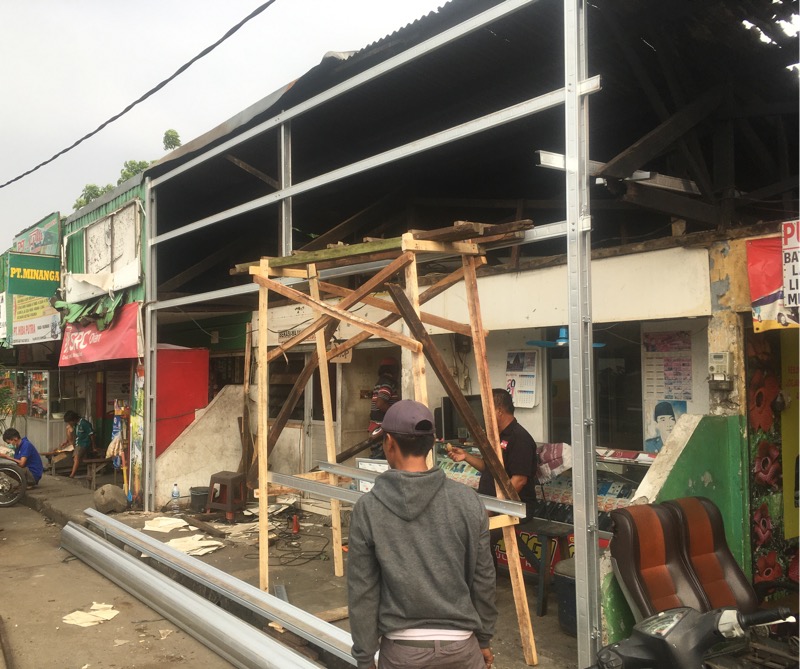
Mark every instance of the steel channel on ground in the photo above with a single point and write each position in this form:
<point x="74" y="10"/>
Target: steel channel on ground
<point x="234" y="640"/>
<point x="318" y="632"/>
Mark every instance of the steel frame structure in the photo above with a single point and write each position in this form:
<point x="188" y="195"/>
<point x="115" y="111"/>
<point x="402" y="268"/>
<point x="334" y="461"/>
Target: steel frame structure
<point x="576" y="229"/>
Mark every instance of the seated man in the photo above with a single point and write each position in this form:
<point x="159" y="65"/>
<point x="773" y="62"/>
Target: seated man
<point x="25" y="455"/>
<point x="84" y="439"/>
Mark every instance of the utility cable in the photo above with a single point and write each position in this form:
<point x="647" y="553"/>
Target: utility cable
<point x="149" y="93"/>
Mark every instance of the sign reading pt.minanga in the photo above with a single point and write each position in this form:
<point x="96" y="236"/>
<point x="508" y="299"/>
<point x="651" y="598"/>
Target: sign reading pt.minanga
<point x="32" y="274"/>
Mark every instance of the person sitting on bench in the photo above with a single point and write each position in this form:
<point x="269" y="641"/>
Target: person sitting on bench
<point x="25" y="455"/>
<point x="84" y="439"/>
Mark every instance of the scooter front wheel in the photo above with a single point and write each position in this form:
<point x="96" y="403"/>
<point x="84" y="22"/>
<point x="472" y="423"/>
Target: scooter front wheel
<point x="13" y="484"/>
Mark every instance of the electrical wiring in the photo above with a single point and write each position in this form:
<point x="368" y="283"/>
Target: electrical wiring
<point x="291" y="553"/>
<point x="148" y="94"/>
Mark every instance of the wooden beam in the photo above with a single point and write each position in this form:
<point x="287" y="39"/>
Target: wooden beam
<point x="436" y="289"/>
<point x="201" y="266"/>
<point x="442" y="371"/>
<point x="653" y="143"/>
<point x="454" y="248"/>
<point x="262" y="408"/>
<point x="502" y="520"/>
<point x="372" y="284"/>
<point x="266" y="178"/>
<point x="671" y="203"/>
<point x="339" y="314"/>
<point x="330" y="437"/>
<point x="386" y="305"/>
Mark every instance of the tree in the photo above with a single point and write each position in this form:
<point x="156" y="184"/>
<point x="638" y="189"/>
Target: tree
<point x="91" y="192"/>
<point x="132" y="168"/>
<point x="171" y="140"/>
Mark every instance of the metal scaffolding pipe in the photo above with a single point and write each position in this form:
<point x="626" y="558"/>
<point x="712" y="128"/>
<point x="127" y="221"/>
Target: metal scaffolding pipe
<point x="232" y="639"/>
<point x="306" y="625"/>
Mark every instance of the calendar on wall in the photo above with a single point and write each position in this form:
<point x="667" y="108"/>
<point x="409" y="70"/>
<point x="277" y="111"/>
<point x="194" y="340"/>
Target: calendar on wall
<point x="522" y="377"/>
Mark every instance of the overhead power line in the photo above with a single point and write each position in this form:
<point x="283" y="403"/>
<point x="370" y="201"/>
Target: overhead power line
<point x="149" y="93"/>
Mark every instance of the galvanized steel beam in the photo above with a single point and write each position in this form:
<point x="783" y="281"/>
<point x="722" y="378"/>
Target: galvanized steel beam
<point x="322" y="634"/>
<point x="240" y="644"/>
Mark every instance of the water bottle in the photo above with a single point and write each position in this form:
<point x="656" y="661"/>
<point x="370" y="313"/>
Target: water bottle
<point x="175" y="504"/>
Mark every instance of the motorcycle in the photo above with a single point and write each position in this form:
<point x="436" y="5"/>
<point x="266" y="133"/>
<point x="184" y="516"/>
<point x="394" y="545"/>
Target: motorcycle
<point x="680" y="638"/>
<point x="13" y="483"/>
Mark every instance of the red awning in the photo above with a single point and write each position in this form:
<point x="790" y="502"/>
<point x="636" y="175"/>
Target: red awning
<point x="120" y="340"/>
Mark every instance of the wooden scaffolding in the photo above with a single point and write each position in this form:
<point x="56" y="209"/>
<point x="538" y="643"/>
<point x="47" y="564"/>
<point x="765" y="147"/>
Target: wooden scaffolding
<point x="468" y="240"/>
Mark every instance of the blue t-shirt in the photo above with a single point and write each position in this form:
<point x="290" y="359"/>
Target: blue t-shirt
<point x="34" y="463"/>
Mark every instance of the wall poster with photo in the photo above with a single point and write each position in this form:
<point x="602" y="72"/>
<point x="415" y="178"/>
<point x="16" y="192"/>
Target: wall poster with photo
<point x="522" y="377"/>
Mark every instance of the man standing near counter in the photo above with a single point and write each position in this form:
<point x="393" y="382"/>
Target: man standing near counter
<point x="519" y="455"/>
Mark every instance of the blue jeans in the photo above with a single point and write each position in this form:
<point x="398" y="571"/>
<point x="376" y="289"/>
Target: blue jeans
<point x="441" y="654"/>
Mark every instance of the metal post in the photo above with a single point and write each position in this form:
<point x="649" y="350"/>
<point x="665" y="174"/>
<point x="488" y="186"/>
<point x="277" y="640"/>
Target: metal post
<point x="285" y="229"/>
<point x="150" y="339"/>
<point x="584" y="475"/>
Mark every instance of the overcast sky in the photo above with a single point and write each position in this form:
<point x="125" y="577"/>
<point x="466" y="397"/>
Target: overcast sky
<point x="66" y="66"/>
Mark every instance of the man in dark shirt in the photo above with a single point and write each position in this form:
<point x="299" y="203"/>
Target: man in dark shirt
<point x="519" y="454"/>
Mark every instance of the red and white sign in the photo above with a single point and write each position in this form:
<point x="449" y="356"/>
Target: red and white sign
<point x="121" y="340"/>
<point x="791" y="263"/>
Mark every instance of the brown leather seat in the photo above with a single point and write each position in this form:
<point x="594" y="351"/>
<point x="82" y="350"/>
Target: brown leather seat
<point x="649" y="561"/>
<point x="719" y="575"/>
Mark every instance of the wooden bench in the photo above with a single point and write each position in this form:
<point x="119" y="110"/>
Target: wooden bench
<point x="92" y="467"/>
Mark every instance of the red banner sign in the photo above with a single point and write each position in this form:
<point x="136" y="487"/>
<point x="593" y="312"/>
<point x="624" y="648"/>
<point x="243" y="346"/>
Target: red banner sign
<point x="765" y="271"/>
<point x="120" y="340"/>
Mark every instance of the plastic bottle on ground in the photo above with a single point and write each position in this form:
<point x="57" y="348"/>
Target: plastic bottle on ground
<point x="175" y="504"/>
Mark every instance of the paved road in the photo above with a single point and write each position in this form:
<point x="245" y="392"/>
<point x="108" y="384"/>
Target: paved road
<point x="40" y="584"/>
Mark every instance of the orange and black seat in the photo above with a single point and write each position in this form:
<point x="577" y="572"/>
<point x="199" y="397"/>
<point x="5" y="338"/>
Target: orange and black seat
<point x="649" y="561"/>
<point x="719" y="575"/>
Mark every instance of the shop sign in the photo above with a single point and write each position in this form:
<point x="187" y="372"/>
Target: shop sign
<point x="122" y="339"/>
<point x="791" y="263"/>
<point x="32" y="274"/>
<point x="771" y="309"/>
<point x="42" y="238"/>
<point x="33" y="320"/>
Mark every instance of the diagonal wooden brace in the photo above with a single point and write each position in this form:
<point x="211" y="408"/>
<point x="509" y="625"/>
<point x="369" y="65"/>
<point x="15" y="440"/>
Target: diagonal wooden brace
<point x="439" y="365"/>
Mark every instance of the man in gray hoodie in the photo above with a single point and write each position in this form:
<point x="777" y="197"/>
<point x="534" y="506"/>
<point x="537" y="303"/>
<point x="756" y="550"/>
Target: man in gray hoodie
<point x="420" y="577"/>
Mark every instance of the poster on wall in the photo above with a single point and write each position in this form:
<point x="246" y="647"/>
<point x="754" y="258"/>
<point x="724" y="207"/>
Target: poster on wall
<point x="790" y="417"/>
<point x="790" y="242"/>
<point x="34" y="320"/>
<point x="765" y="271"/>
<point x="667" y="365"/>
<point x="660" y="419"/>
<point x="521" y="377"/>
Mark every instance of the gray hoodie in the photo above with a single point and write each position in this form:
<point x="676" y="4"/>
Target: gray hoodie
<point x="418" y="557"/>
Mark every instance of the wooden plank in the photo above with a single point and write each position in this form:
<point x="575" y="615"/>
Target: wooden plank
<point x="455" y="248"/>
<point x="386" y="305"/>
<point x="417" y="358"/>
<point x="354" y="296"/>
<point x="520" y="598"/>
<point x="459" y="231"/>
<point x="304" y="258"/>
<point x="247" y="440"/>
<point x="330" y="437"/>
<point x="490" y="420"/>
<point x="442" y="371"/>
<point x="333" y="615"/>
<point x="339" y="314"/>
<point x="502" y="520"/>
<point x="263" y="406"/>
<point x="436" y="289"/>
